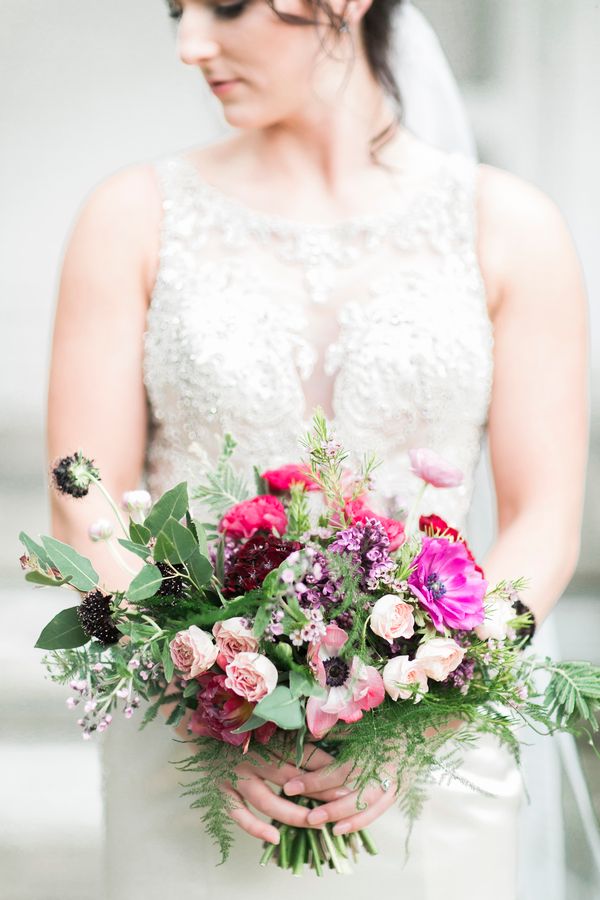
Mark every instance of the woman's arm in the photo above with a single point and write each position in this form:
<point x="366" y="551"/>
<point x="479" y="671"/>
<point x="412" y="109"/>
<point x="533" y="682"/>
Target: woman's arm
<point x="96" y="399"/>
<point x="538" y="421"/>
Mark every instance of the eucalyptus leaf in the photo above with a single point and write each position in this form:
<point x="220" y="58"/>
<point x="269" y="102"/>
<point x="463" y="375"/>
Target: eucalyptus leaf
<point x="63" y="633"/>
<point x="250" y="724"/>
<point x="46" y="580"/>
<point x="302" y="684"/>
<point x="182" y="539"/>
<point x="173" y="503"/>
<point x="70" y="562"/>
<point x="282" y="708"/>
<point x="139" y="549"/>
<point x="164" y="549"/>
<point x="167" y="661"/>
<point x="35" y="550"/>
<point x="145" y="584"/>
<point x="199" y="568"/>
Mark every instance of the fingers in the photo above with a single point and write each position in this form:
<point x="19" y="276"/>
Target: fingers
<point x="322" y="779"/>
<point x="343" y="808"/>
<point x="313" y="757"/>
<point x="362" y="819"/>
<point x="246" y="819"/>
<point x="263" y="798"/>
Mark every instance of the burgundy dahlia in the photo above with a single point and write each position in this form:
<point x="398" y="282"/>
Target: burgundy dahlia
<point x="252" y="563"/>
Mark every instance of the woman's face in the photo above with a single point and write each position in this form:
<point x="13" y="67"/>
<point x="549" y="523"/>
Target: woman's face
<point x="269" y="70"/>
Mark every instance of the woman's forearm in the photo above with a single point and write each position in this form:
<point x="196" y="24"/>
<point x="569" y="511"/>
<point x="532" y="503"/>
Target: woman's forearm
<point x="537" y="546"/>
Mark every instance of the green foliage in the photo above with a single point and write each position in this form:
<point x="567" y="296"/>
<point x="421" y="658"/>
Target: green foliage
<point x="139" y="534"/>
<point x="573" y="693"/>
<point x="281" y="707"/>
<point x="224" y="487"/>
<point x="173" y="504"/>
<point x="70" y="563"/>
<point x="138" y="549"/>
<point x="297" y="513"/>
<point x="63" y="632"/>
<point x="145" y="584"/>
<point x="36" y="553"/>
<point x="46" y="580"/>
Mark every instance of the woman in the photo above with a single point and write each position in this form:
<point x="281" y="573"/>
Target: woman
<point x="322" y="255"/>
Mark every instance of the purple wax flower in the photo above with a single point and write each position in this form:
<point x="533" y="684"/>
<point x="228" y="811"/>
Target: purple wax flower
<point x="368" y="544"/>
<point x="447" y="584"/>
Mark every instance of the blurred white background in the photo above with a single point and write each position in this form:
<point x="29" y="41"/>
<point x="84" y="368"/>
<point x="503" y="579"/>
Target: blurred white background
<point x="89" y="86"/>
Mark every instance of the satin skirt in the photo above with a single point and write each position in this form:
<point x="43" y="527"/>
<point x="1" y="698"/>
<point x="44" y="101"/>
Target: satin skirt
<point x="464" y="845"/>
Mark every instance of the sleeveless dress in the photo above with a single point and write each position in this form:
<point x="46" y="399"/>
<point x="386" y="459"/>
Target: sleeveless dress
<point x="255" y="319"/>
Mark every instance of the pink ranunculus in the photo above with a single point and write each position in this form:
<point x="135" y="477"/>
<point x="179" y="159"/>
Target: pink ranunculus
<point x="432" y="468"/>
<point x="439" y="656"/>
<point x="392" y="618"/>
<point x="447" y="584"/>
<point x="261" y="513"/>
<point x="351" y="688"/>
<point x="219" y="712"/>
<point x="193" y="651"/>
<point x="251" y="675"/>
<point x="359" y="512"/>
<point x="401" y="670"/>
<point x="282" y="478"/>
<point x="233" y="636"/>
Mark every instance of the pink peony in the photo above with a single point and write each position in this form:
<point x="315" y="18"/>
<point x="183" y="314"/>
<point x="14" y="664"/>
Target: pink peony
<point x="193" y="651"/>
<point x="392" y="618"/>
<point x="438" y="657"/>
<point x="281" y="479"/>
<point x="261" y="513"/>
<point x="430" y="467"/>
<point x="351" y="688"/>
<point x="251" y="675"/>
<point x="359" y="512"/>
<point x="447" y="584"/>
<point x="220" y="712"/>
<point x="233" y="636"/>
<point x="400" y="670"/>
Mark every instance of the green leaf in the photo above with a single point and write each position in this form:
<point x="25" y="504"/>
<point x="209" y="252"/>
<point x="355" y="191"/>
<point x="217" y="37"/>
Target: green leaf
<point x="70" y="562"/>
<point x="282" y="654"/>
<point x="63" y="633"/>
<point x="182" y="539"/>
<point x="46" y="580"/>
<point x="176" y="716"/>
<point x="191" y="689"/>
<point x="262" y="619"/>
<point x="261" y="485"/>
<point x="300" y="737"/>
<point x="167" y="661"/>
<point x="250" y="724"/>
<point x="35" y="550"/>
<point x="271" y="583"/>
<point x="302" y="684"/>
<point x="173" y="503"/>
<point x="140" y="550"/>
<point x="164" y="549"/>
<point x="145" y="584"/>
<point x="282" y="708"/>
<point x="139" y="534"/>
<point x="199" y="568"/>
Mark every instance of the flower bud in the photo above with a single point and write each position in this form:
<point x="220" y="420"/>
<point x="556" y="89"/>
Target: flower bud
<point x="136" y="502"/>
<point x="101" y="530"/>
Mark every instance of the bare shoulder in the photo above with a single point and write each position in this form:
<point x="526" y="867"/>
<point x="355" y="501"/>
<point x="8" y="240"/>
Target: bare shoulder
<point x="122" y="214"/>
<point x="521" y="233"/>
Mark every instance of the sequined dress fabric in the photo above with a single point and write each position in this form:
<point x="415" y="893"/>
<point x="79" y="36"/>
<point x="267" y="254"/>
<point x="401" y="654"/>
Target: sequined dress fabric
<point x="256" y="319"/>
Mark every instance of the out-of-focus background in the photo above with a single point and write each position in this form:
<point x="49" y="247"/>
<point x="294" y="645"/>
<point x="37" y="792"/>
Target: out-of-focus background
<point x="89" y="86"/>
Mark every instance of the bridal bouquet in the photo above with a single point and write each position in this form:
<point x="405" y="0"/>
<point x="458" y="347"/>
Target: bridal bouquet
<point x="300" y="614"/>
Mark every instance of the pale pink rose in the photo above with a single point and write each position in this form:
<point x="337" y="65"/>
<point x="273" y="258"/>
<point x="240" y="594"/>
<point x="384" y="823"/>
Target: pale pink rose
<point x="193" y="651"/>
<point x="233" y="636"/>
<point x="392" y="618"/>
<point x="400" y="670"/>
<point x="251" y="675"/>
<point x="439" y="657"/>
<point x="429" y="466"/>
<point x="498" y="613"/>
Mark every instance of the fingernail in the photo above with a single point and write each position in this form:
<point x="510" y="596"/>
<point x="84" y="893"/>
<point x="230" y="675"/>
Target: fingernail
<point x="316" y="816"/>
<point x="342" y="792"/>
<point x="295" y="786"/>
<point x="341" y="828"/>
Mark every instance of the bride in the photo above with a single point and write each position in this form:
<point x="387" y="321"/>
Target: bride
<point x="322" y="254"/>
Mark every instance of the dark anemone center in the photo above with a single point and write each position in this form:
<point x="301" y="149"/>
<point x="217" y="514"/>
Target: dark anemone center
<point x="336" y="671"/>
<point x="435" y="586"/>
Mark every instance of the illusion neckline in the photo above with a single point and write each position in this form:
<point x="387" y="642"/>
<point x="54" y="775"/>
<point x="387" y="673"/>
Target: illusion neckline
<point x="357" y="223"/>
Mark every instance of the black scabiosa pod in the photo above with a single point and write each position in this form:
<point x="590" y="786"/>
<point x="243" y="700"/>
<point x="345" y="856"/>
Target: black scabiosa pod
<point x="172" y="584"/>
<point x="95" y="616"/>
<point x="74" y="474"/>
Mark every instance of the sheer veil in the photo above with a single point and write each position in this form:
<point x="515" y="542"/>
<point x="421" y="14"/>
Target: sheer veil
<point x="435" y="112"/>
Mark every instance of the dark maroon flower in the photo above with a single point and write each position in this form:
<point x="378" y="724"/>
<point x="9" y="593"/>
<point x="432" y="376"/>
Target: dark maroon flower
<point x="95" y="615"/>
<point x="254" y="560"/>
<point x="435" y="526"/>
<point x="220" y="711"/>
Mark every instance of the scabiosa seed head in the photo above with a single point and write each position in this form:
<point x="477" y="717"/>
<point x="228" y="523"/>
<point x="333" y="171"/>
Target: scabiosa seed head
<point x="95" y="616"/>
<point x="74" y="474"/>
<point x="172" y="584"/>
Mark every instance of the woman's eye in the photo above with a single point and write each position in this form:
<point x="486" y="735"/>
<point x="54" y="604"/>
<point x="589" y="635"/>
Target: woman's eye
<point x="230" y="10"/>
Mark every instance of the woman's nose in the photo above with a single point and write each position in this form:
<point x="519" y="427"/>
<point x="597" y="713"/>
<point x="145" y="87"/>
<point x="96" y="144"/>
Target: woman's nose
<point x="194" y="40"/>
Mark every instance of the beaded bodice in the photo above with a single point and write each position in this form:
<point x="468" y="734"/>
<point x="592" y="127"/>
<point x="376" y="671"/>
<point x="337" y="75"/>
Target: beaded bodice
<point x="381" y="320"/>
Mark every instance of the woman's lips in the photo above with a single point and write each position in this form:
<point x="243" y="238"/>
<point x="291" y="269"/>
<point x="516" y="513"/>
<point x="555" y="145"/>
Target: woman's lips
<point x="223" y="87"/>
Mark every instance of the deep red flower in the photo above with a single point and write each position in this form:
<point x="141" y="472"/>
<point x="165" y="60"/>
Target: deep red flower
<point x="220" y="712"/>
<point x="435" y="526"/>
<point x="254" y="560"/>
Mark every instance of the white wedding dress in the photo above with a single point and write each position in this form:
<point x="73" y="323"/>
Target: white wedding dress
<point x="382" y="320"/>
